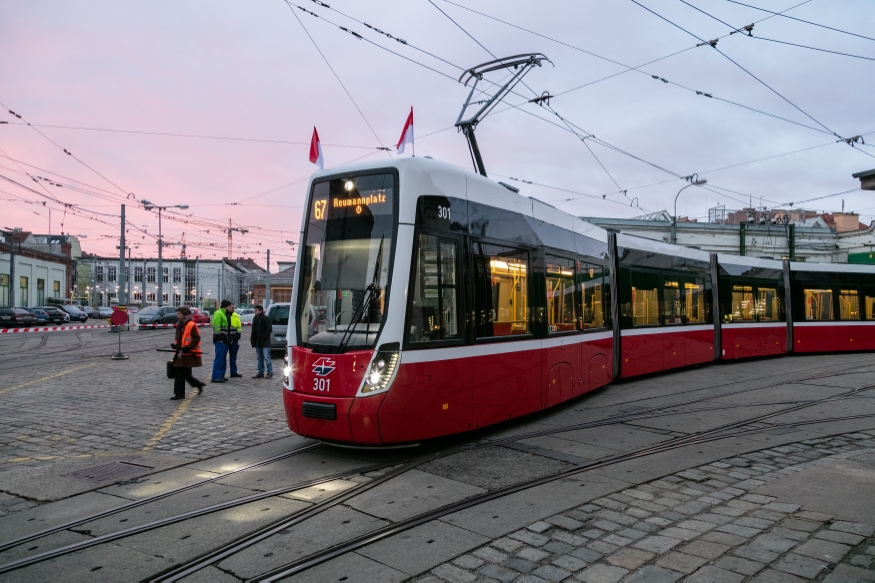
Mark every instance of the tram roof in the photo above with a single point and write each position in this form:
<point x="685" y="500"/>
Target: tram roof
<point x="726" y="259"/>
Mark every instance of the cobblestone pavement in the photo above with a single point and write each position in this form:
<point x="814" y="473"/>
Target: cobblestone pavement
<point x="703" y="524"/>
<point x="65" y="401"/>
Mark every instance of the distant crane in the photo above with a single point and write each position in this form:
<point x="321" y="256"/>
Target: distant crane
<point x="230" y="240"/>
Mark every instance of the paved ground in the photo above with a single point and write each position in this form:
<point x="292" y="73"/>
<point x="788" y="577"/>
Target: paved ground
<point x="782" y="493"/>
<point x="65" y="405"/>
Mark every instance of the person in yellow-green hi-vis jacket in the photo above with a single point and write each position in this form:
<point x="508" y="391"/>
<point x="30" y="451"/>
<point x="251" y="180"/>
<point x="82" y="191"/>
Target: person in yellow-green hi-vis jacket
<point x="221" y="340"/>
<point x="236" y="333"/>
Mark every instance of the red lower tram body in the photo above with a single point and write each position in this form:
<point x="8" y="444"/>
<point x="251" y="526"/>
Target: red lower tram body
<point x="445" y="391"/>
<point x="442" y="392"/>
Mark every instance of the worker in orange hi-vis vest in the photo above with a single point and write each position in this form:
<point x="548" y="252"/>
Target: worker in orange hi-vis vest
<point x="188" y="353"/>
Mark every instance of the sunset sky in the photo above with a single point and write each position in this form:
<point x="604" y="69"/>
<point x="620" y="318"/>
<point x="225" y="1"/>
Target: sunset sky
<point x="212" y="104"/>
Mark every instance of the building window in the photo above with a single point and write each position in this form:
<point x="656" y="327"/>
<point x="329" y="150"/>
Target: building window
<point x="98" y="274"/>
<point x="56" y="289"/>
<point x="127" y="274"/>
<point x="111" y="273"/>
<point x="138" y="274"/>
<point x="150" y="297"/>
<point x="150" y="274"/>
<point x="40" y="292"/>
<point x="177" y="299"/>
<point x="165" y="274"/>
<point x="177" y="275"/>
<point x="281" y="294"/>
<point x="4" y="289"/>
<point x="23" y="296"/>
<point x="137" y="297"/>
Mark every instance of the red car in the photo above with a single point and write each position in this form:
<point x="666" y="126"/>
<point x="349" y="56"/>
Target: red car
<point x="200" y="316"/>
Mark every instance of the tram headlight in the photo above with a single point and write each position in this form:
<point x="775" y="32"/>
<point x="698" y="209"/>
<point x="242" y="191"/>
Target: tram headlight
<point x="382" y="369"/>
<point x="287" y="371"/>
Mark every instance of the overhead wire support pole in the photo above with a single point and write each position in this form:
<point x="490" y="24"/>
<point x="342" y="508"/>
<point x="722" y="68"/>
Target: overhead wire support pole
<point x="522" y="63"/>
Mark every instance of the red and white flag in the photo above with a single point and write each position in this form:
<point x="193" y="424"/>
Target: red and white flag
<point x="316" y="150"/>
<point x="406" y="135"/>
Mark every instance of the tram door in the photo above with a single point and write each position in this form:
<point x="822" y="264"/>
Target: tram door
<point x="561" y="354"/>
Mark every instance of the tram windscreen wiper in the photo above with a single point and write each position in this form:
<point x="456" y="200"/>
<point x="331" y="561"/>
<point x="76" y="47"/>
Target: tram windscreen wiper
<point x="364" y="306"/>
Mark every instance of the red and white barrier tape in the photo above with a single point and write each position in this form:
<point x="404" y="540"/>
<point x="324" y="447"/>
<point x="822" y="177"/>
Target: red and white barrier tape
<point x="65" y="328"/>
<point x="50" y="328"/>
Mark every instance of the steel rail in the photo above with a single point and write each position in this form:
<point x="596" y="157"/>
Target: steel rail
<point x="185" y="569"/>
<point x="314" y="559"/>
<point x="135" y="503"/>
<point x="654" y="412"/>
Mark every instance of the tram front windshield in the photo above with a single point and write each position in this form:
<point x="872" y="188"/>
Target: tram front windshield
<point x="346" y="262"/>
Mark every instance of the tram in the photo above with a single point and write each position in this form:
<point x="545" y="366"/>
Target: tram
<point x="430" y="300"/>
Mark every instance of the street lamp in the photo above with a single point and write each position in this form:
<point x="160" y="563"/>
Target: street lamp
<point x="149" y="206"/>
<point x="674" y="218"/>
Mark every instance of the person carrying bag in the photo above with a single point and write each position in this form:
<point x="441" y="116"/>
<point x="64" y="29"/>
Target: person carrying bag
<point x="188" y="354"/>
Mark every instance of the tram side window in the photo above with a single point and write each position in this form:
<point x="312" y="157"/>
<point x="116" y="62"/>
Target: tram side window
<point x="849" y="304"/>
<point x="870" y="304"/>
<point x="645" y="298"/>
<point x="743" y="305"/>
<point x="500" y="291"/>
<point x="768" y="306"/>
<point x="434" y="313"/>
<point x="561" y="303"/>
<point x="818" y="304"/>
<point x="593" y="296"/>
<point x="695" y="301"/>
<point x="672" y="300"/>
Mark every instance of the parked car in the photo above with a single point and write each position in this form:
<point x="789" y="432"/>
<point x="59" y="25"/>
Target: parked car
<point x="246" y="314"/>
<point x="75" y="313"/>
<point x="103" y="312"/>
<point x="16" y="318"/>
<point x="153" y="315"/>
<point x="200" y="316"/>
<point x="278" y="314"/>
<point x="56" y="314"/>
<point x="41" y="316"/>
<point x="88" y="310"/>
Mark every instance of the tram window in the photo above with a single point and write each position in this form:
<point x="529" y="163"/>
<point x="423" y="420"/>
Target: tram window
<point x="672" y="301"/>
<point x="849" y="305"/>
<point x="434" y="303"/>
<point x="645" y="298"/>
<point x="870" y="305"/>
<point x="768" y="307"/>
<point x="695" y="301"/>
<point x="743" y="306"/>
<point x="500" y="291"/>
<point x="593" y="296"/>
<point x="561" y="303"/>
<point x="818" y="304"/>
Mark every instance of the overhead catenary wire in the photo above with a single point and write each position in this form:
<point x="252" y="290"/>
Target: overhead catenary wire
<point x="336" y="76"/>
<point x="801" y="20"/>
<point x="750" y="35"/>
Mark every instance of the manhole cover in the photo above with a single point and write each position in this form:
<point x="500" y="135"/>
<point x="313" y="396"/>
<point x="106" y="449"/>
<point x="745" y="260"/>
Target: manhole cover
<point x="109" y="472"/>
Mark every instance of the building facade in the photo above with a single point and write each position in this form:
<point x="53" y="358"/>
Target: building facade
<point x="834" y="238"/>
<point x="34" y="269"/>
<point x="191" y="282"/>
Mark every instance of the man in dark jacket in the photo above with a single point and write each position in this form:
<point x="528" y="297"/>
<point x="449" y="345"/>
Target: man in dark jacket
<point x="260" y="340"/>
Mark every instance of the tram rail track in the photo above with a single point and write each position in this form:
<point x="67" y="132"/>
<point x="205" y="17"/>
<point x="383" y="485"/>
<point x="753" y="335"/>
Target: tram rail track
<point x="300" y="516"/>
<point x="401" y="468"/>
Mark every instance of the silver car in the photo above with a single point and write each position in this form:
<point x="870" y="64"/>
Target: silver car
<point x="278" y="314"/>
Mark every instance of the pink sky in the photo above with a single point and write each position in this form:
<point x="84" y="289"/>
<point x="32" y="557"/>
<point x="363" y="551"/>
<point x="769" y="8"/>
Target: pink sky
<point x="248" y="70"/>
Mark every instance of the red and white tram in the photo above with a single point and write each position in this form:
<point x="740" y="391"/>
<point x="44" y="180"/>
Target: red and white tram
<point x="430" y="300"/>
